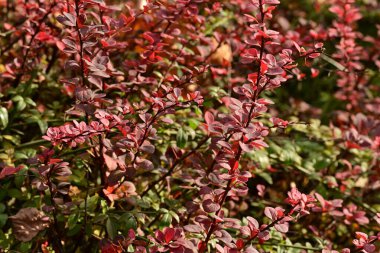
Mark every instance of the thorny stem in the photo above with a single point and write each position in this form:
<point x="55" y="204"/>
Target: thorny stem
<point x="101" y="162"/>
<point x="85" y="202"/>
<point x="225" y="194"/>
<point x="174" y="165"/>
<point x="77" y="11"/>
<point x="270" y="225"/>
<point x="147" y="131"/>
<point x="239" y="153"/>
<point x="57" y="241"/>
<point x="170" y="66"/>
<point x="22" y="68"/>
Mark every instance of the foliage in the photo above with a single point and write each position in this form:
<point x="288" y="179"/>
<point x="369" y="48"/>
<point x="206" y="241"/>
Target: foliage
<point x="189" y="126"/>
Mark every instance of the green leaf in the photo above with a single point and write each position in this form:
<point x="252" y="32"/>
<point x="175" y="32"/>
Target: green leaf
<point x="198" y="111"/>
<point x="158" y="74"/>
<point x="266" y="177"/>
<point x="25" y="247"/>
<point x="220" y="22"/>
<point x="261" y="156"/>
<point x="111" y="226"/>
<point x="92" y="202"/>
<point x="174" y="215"/>
<point x="15" y="193"/>
<point x="181" y="138"/>
<point x="100" y="218"/>
<point x="193" y="123"/>
<point x="129" y="221"/>
<point x="20" y="177"/>
<point x="12" y="138"/>
<point x="3" y="219"/>
<point x="30" y="102"/>
<point x="21" y="104"/>
<point x="166" y="220"/>
<point x="72" y="221"/>
<point x="43" y="125"/>
<point x="130" y="248"/>
<point x="333" y="62"/>
<point x="75" y="230"/>
<point x="17" y="98"/>
<point x="2" y="208"/>
<point x="20" y="155"/>
<point x="3" y="117"/>
<point x="143" y="203"/>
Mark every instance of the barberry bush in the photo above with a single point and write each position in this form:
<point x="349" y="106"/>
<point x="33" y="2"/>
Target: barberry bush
<point x="190" y="126"/>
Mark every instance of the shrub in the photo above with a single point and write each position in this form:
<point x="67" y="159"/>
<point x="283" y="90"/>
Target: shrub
<point x="189" y="126"/>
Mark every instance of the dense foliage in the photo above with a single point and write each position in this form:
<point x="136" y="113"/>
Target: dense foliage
<point x="189" y="126"/>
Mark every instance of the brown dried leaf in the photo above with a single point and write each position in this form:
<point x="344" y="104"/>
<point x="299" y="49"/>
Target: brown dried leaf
<point x="222" y="55"/>
<point x="28" y="222"/>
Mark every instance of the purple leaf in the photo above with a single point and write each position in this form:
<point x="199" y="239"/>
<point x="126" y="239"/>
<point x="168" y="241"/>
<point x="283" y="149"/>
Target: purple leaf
<point x="271" y="213"/>
<point x="67" y="19"/>
<point x="210" y="206"/>
<point x="193" y="228"/>
<point x="283" y="228"/>
<point x="251" y="249"/>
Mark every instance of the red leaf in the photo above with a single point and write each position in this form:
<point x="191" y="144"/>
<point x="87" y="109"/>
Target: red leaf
<point x="314" y="72"/>
<point x="43" y="36"/>
<point x="236" y="165"/>
<point x="264" y="67"/>
<point x="209" y="118"/>
<point x="252" y="77"/>
<point x="149" y="38"/>
<point x="240" y="244"/>
<point x="169" y="234"/>
<point x="60" y="45"/>
<point x="7" y="171"/>
<point x="110" y="162"/>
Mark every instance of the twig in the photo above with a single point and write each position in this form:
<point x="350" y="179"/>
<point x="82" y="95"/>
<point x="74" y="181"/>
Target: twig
<point x="174" y="165"/>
